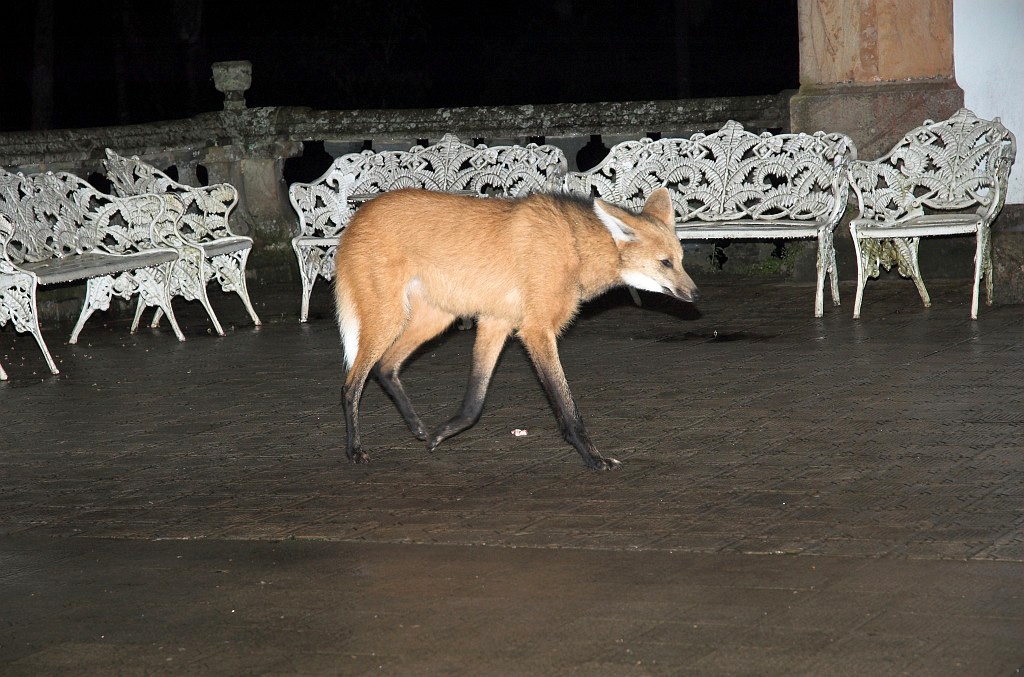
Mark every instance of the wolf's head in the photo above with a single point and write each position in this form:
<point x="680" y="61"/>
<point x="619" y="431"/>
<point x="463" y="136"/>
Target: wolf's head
<point x="650" y="256"/>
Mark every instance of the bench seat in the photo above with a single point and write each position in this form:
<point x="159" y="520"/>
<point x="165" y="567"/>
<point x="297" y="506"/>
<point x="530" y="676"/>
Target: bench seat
<point x="95" y="264"/>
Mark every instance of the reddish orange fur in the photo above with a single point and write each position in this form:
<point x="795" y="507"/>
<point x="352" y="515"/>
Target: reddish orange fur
<point x="411" y="261"/>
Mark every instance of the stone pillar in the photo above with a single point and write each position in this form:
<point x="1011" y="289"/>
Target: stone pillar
<point x="255" y="169"/>
<point x="874" y="69"/>
<point x="266" y="192"/>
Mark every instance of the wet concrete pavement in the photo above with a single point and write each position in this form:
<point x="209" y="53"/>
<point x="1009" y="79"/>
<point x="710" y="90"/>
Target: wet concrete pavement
<point x="797" y="496"/>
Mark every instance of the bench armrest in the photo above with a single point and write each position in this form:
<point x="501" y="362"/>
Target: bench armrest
<point x="323" y="206"/>
<point x="207" y="210"/>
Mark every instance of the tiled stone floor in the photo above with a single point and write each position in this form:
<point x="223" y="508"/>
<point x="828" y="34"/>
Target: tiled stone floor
<point x="797" y="496"/>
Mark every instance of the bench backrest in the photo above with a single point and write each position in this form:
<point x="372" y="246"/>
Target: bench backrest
<point x="57" y="214"/>
<point x="207" y="208"/>
<point x="954" y="164"/>
<point x="323" y="207"/>
<point x="6" y="233"/>
<point x="728" y="175"/>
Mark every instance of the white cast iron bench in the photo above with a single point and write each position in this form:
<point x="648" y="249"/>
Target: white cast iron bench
<point x="207" y="247"/>
<point x="942" y="178"/>
<point x="736" y="185"/>
<point x="325" y="205"/>
<point x="57" y="228"/>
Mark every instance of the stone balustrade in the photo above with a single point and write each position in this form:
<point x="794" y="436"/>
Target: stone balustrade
<point x="254" y="148"/>
<point x="249" y="147"/>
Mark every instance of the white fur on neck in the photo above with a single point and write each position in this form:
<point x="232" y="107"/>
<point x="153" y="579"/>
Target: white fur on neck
<point x="641" y="281"/>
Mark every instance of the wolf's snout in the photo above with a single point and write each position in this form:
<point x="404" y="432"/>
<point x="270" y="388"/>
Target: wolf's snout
<point x="691" y="295"/>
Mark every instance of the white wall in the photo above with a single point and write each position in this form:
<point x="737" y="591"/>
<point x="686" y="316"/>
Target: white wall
<point x="988" y="54"/>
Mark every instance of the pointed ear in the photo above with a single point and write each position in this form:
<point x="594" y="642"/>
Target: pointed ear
<point x="616" y="226"/>
<point x="659" y="206"/>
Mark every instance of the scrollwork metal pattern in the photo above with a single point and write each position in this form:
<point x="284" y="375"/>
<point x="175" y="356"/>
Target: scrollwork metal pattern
<point x="58" y="216"/>
<point x="764" y="185"/>
<point x="202" y="225"/>
<point x="17" y="294"/>
<point x="948" y="166"/>
<point x="728" y="175"/>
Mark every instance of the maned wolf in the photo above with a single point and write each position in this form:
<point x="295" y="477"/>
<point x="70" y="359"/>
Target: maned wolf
<point x="411" y="261"/>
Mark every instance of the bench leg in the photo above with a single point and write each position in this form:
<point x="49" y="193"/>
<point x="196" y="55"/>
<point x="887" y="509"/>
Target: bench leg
<point x="38" y="335"/>
<point x="986" y="268"/>
<point x="165" y="305"/>
<point x="230" y="272"/>
<point x="189" y="275"/>
<point x="154" y="288"/>
<point x="170" y="318"/>
<point x="908" y="248"/>
<point x="862" y="274"/>
<point x="18" y="304"/>
<point x="140" y="308"/>
<point x="826" y="267"/>
<point x="87" y="311"/>
<point x="819" y="290"/>
<point x="204" y="299"/>
<point x="313" y="261"/>
<point x="98" y="291"/>
<point x="877" y="253"/>
<point x="979" y="267"/>
<point x="307" y="291"/>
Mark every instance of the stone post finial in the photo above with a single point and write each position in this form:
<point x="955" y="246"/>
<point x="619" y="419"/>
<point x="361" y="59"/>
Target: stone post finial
<point x="232" y="78"/>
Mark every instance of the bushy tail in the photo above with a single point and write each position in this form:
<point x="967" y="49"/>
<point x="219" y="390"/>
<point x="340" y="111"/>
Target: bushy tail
<point x="348" y="323"/>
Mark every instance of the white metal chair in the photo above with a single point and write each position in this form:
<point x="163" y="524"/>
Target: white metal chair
<point x="942" y="178"/>
<point x="207" y="247"/>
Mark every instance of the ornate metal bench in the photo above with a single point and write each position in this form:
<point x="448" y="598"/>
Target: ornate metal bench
<point x="57" y="228"/>
<point x="207" y="247"/>
<point x="925" y="186"/>
<point x="736" y="185"/>
<point x="325" y="205"/>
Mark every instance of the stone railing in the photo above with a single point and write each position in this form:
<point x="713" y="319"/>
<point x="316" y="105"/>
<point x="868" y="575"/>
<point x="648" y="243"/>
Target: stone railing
<point x="262" y="150"/>
<point x="249" y="147"/>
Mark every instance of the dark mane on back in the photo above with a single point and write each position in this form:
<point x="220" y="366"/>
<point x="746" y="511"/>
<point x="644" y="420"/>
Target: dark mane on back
<point x="572" y="199"/>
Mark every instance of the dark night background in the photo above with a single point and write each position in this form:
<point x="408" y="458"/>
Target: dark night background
<point x="88" y="64"/>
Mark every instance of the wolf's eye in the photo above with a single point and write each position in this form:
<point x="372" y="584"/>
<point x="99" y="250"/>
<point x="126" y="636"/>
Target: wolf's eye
<point x="666" y="262"/>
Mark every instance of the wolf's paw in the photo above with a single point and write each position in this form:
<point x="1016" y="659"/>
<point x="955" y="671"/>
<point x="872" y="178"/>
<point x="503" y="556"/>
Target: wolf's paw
<point x="358" y="457"/>
<point x="601" y="463"/>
